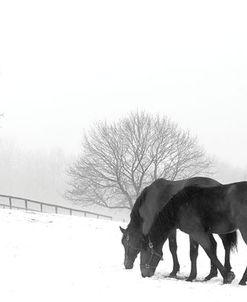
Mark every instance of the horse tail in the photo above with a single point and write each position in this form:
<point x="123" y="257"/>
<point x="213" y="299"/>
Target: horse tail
<point x="232" y="240"/>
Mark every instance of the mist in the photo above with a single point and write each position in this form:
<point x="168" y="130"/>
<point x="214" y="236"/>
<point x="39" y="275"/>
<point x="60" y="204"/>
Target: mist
<point x="66" y="66"/>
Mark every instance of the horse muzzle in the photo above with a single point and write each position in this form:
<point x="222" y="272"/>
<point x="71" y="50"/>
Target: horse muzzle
<point x="128" y="264"/>
<point x="147" y="272"/>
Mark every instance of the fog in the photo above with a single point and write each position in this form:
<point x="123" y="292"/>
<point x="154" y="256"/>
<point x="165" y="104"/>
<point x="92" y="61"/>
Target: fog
<point x="66" y="65"/>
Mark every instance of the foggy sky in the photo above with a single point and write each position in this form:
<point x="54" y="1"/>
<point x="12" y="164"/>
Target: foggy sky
<point x="67" y="64"/>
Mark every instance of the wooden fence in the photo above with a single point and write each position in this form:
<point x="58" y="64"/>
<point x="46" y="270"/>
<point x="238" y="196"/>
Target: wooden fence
<point x="13" y="202"/>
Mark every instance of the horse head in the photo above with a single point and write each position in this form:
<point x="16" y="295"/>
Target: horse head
<point x="131" y="241"/>
<point x="150" y="257"/>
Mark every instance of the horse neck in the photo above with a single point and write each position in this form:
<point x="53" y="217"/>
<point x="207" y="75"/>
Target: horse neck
<point x="163" y="225"/>
<point x="135" y="220"/>
<point x="157" y="195"/>
<point x="135" y="225"/>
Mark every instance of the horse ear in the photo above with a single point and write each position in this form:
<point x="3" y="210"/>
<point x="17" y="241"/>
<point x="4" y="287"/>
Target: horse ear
<point x="122" y="230"/>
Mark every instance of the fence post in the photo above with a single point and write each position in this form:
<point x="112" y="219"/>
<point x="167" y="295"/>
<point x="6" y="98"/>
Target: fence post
<point x="70" y="211"/>
<point x="10" y="202"/>
<point x="26" y="204"/>
<point x="41" y="208"/>
<point x="56" y="210"/>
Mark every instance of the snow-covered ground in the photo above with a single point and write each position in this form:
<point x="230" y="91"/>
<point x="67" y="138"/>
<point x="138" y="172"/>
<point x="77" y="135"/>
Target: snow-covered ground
<point x="46" y="257"/>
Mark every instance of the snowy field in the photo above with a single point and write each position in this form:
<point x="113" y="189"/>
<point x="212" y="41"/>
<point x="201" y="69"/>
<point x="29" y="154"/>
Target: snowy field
<point x="46" y="257"/>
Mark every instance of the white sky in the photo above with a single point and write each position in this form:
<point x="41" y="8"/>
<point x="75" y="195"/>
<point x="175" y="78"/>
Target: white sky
<point x="66" y="64"/>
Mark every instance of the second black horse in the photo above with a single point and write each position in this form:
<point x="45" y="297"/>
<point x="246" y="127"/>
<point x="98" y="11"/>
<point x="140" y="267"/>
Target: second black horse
<point x="199" y="212"/>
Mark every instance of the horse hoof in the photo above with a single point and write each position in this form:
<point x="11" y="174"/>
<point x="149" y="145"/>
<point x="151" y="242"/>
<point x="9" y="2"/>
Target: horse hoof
<point x="190" y="279"/>
<point x="173" y="275"/>
<point x="210" y="276"/>
<point x="242" y="282"/>
<point x="229" y="277"/>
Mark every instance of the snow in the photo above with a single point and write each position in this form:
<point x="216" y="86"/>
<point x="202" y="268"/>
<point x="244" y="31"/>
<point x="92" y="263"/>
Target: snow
<point x="48" y="257"/>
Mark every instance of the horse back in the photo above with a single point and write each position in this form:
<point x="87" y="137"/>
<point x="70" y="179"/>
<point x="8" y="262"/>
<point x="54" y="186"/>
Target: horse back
<point x="215" y="209"/>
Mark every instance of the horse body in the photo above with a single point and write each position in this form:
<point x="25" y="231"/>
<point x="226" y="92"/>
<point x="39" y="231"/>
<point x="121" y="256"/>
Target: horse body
<point x="218" y="214"/>
<point x="161" y="191"/>
<point x="150" y="202"/>
<point x="199" y="212"/>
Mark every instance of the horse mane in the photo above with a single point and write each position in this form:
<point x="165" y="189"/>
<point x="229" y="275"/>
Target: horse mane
<point x="135" y="217"/>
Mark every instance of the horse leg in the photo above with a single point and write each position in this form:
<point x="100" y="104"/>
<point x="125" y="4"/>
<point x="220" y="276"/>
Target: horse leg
<point x="227" y="247"/>
<point x="173" y="249"/>
<point x="243" y="232"/>
<point x="206" y="242"/>
<point x="193" y="258"/>
<point x="213" y="271"/>
<point x="244" y="278"/>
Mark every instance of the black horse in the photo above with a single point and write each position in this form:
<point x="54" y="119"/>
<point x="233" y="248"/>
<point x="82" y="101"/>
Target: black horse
<point x="148" y="205"/>
<point x="199" y="212"/>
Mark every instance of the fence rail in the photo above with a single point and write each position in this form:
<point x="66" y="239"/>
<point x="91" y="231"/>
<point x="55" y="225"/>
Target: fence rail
<point x="40" y="206"/>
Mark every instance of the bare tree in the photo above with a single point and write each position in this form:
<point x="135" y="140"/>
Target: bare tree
<point x="118" y="160"/>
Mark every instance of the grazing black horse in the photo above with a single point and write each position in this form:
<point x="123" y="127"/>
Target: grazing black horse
<point x="148" y="205"/>
<point x="199" y="212"/>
